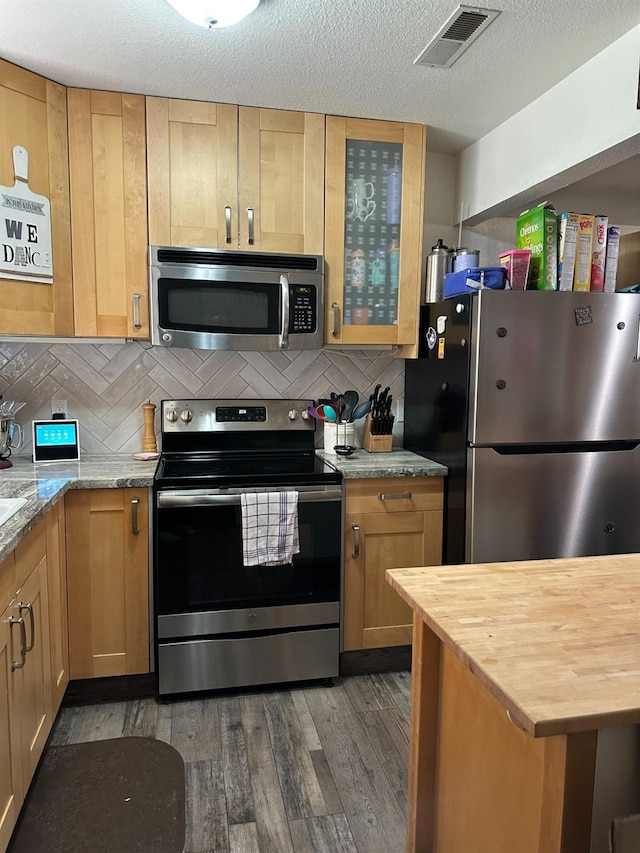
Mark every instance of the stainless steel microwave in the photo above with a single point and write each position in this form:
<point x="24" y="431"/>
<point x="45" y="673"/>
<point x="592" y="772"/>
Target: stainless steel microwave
<point x="231" y="300"/>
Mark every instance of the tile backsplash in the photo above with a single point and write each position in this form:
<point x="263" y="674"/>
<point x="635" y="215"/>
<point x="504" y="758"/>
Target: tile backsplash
<point x="106" y="384"/>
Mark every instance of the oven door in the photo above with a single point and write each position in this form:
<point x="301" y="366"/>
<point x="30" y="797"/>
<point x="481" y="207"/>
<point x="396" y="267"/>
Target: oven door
<point x="202" y="586"/>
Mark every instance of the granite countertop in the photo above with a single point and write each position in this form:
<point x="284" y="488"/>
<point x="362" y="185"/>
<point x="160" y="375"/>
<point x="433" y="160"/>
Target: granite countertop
<point x="396" y="463"/>
<point x="45" y="483"/>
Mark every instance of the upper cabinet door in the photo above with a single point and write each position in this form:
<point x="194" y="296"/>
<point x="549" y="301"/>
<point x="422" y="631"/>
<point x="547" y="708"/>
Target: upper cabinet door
<point x="192" y="167"/>
<point x="374" y="197"/>
<point x="281" y="181"/>
<point x="33" y="114"/>
<point x="108" y="213"/>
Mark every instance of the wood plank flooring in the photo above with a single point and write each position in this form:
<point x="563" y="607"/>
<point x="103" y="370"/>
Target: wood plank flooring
<point x="306" y="770"/>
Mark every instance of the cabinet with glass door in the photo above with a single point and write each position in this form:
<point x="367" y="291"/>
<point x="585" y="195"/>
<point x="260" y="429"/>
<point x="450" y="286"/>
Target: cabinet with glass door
<point x="374" y="206"/>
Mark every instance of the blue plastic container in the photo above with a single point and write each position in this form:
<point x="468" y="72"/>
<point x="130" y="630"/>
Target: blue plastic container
<point x="468" y="281"/>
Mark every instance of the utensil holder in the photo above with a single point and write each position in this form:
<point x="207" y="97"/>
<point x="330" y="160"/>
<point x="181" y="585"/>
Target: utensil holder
<point x="375" y="443"/>
<point x="336" y="434"/>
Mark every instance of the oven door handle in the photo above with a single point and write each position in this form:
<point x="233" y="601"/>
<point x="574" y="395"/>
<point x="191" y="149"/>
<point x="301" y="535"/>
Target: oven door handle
<point x="284" y="307"/>
<point x="176" y="500"/>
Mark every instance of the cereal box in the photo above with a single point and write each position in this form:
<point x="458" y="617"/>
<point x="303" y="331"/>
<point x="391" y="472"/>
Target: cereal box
<point x="537" y="229"/>
<point x="582" y="274"/>
<point x="567" y="238"/>
<point x="598" y="252"/>
<point x="611" y="262"/>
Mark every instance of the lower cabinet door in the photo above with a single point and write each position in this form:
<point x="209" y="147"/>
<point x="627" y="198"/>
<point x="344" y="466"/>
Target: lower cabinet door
<point x="108" y="581"/>
<point x="33" y="680"/>
<point x="58" y="619"/>
<point x="10" y="759"/>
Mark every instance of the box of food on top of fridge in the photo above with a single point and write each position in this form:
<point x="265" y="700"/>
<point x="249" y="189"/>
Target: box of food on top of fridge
<point x="537" y="229"/>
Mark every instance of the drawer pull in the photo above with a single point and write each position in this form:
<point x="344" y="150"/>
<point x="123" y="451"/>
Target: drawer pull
<point x="403" y="496"/>
<point x="135" y="502"/>
<point x="23" y="643"/>
<point x="356" y="541"/>
<point x="136" y="311"/>
<point x="32" y="623"/>
<point x="227" y="224"/>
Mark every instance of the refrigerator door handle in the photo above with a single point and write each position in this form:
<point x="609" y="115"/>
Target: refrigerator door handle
<point x="637" y="358"/>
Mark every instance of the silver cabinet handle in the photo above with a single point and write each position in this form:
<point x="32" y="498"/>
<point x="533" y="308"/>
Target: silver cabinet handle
<point x="403" y="496"/>
<point x="136" y="311"/>
<point x="227" y="224"/>
<point x="250" y="239"/>
<point x="23" y="643"/>
<point x="32" y="624"/>
<point x="284" y="307"/>
<point x="135" y="502"/>
<point x="336" y="319"/>
<point x="356" y="541"/>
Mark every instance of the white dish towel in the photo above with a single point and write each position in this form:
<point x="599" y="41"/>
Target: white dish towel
<point x="269" y="528"/>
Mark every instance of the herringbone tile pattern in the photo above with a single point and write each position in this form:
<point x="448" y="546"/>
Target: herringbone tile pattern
<point x="106" y="384"/>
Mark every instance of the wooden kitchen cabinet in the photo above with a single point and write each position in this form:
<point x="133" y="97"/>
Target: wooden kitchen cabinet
<point x="374" y="212"/>
<point x="107" y="170"/>
<point x="10" y="758"/>
<point x="108" y="581"/>
<point x="227" y="177"/>
<point x="391" y="522"/>
<point x="33" y="114"/>
<point x="58" y="617"/>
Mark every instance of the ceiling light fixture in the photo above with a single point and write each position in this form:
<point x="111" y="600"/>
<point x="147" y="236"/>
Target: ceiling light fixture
<point x="214" y="14"/>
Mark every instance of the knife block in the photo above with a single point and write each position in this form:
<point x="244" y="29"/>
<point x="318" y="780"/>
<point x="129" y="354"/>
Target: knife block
<point x="375" y="443"/>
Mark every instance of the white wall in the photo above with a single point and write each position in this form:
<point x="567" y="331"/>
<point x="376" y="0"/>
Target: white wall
<point x="585" y="123"/>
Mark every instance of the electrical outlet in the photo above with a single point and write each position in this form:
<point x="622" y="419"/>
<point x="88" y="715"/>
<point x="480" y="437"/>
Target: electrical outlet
<point x="59" y="408"/>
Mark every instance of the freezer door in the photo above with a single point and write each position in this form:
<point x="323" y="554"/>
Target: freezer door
<point x="547" y="505"/>
<point x="555" y="367"/>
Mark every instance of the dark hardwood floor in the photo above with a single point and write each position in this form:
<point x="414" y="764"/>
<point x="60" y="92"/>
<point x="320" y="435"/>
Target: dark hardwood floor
<point x="305" y="770"/>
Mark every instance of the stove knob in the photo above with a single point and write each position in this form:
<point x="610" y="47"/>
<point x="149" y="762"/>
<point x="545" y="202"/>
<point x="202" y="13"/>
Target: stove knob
<point x="292" y="414"/>
<point x="186" y="416"/>
<point x="304" y="414"/>
<point x="171" y="415"/>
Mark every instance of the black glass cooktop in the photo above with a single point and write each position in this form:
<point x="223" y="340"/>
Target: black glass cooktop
<point x="244" y="469"/>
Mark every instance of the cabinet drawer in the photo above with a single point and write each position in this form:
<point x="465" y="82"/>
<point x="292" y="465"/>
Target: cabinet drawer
<point x="394" y="494"/>
<point x="30" y="551"/>
<point x="8" y="585"/>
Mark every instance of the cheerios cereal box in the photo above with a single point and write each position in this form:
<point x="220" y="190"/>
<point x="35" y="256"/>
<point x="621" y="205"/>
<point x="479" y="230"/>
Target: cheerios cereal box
<point x="537" y="229"/>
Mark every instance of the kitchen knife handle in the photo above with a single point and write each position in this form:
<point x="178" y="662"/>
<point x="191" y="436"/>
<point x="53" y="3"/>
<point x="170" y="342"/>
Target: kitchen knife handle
<point x="403" y="496"/>
<point x="32" y="624"/>
<point x="227" y="223"/>
<point x="136" y="311"/>
<point x="135" y="529"/>
<point x="356" y="541"/>
<point x="250" y="239"/>
<point x="335" y="329"/>
<point x="23" y="643"/>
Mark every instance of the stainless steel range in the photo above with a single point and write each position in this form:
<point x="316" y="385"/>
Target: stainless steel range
<point x="221" y="623"/>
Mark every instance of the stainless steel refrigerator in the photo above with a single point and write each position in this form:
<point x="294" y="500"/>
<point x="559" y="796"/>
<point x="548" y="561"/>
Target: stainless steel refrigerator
<point x="532" y="399"/>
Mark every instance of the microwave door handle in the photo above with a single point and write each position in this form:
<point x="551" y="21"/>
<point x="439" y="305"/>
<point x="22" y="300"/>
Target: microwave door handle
<point x="284" y="305"/>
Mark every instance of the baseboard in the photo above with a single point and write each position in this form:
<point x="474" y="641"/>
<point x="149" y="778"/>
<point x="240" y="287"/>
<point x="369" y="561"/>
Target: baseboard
<point x="363" y="661"/>
<point x="112" y="688"/>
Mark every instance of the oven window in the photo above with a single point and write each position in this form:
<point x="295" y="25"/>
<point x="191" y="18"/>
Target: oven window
<point x="199" y="561"/>
<point x="219" y="307"/>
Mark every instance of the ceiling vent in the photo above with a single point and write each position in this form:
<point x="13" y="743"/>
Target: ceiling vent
<point x="455" y="36"/>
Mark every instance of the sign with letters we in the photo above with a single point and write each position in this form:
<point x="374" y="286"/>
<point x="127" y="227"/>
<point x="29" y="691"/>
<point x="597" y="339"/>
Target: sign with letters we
<point x="25" y="228"/>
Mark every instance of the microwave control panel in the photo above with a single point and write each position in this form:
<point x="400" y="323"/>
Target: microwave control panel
<point x="302" y="308"/>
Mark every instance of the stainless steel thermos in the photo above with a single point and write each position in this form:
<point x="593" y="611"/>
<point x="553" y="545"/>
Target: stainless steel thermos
<point x="439" y="263"/>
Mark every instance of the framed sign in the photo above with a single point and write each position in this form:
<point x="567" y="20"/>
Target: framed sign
<point x="25" y="227"/>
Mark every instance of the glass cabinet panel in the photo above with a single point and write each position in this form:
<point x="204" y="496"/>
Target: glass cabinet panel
<point x="373" y="193"/>
<point x="374" y="207"/>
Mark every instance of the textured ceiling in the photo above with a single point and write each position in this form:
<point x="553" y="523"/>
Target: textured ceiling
<point x="349" y="57"/>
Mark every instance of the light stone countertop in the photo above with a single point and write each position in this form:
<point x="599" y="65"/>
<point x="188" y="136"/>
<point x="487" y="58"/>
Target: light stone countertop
<point x="395" y="463"/>
<point x="45" y="483"/>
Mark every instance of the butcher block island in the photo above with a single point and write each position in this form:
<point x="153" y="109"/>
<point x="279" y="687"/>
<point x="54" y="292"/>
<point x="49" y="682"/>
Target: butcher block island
<point x="525" y="704"/>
